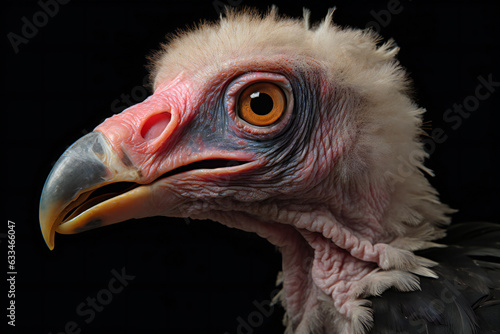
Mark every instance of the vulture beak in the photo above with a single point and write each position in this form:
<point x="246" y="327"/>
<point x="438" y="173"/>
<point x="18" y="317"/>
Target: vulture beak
<point x="66" y="204"/>
<point x="130" y="166"/>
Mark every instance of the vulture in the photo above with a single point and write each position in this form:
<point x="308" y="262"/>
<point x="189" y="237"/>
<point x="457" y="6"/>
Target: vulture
<point x="307" y="135"/>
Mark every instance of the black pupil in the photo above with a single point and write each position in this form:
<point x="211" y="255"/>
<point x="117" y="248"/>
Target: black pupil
<point x="261" y="103"/>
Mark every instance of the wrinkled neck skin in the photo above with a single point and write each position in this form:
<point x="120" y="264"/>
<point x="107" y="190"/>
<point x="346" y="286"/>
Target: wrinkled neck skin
<point x="334" y="255"/>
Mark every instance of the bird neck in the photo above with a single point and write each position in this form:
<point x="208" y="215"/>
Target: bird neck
<point x="328" y="270"/>
<point x="352" y="246"/>
<point x="336" y="253"/>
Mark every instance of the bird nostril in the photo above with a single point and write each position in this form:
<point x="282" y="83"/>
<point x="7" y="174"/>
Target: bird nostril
<point x="154" y="125"/>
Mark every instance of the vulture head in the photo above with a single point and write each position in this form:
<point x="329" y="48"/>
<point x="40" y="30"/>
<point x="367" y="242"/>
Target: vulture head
<point x="305" y="135"/>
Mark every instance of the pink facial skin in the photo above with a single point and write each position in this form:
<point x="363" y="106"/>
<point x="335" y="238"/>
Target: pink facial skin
<point x="146" y="134"/>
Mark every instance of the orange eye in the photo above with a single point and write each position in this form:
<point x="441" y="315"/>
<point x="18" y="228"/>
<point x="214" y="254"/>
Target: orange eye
<point x="262" y="104"/>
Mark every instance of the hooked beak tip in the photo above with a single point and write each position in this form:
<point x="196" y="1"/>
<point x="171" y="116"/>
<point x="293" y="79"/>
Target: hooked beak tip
<point x="69" y="203"/>
<point x="79" y="168"/>
<point x="48" y="231"/>
<point x="49" y="240"/>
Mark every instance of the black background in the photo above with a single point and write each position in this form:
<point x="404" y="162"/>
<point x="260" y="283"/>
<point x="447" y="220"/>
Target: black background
<point x="200" y="277"/>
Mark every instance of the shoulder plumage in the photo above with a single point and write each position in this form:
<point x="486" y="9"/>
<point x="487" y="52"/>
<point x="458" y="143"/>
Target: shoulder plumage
<point x="464" y="298"/>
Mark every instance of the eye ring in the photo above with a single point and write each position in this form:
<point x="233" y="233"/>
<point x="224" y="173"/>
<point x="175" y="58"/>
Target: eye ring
<point x="262" y="104"/>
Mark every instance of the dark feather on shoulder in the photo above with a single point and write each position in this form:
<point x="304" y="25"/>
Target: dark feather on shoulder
<point x="464" y="299"/>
